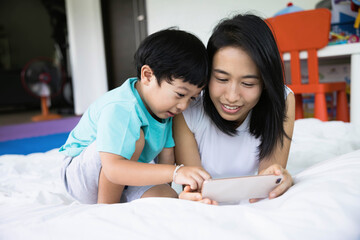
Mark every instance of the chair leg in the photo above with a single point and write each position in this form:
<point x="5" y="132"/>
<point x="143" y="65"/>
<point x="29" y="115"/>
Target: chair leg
<point x="299" y="110"/>
<point x="320" y="107"/>
<point x="342" y="109"/>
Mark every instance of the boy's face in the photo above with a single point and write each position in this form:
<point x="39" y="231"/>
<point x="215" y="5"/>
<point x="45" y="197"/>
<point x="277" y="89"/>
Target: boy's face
<point x="167" y="100"/>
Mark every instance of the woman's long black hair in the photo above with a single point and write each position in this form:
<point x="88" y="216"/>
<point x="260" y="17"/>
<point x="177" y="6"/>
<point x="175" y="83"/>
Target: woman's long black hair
<point x="252" y="35"/>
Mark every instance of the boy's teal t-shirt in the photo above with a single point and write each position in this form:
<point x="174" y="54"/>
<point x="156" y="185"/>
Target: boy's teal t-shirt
<point x="114" y="121"/>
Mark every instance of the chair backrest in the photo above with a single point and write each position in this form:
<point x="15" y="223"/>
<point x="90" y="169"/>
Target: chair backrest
<point x="302" y="31"/>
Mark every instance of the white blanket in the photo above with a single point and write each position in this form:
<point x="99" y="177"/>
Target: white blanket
<point x="324" y="203"/>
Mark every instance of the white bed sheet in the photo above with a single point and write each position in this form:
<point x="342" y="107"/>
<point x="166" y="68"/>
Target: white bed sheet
<point x="324" y="203"/>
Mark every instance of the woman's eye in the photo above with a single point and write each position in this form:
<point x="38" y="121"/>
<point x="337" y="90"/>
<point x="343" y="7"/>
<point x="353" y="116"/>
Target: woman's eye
<point x="248" y="84"/>
<point x="180" y="95"/>
<point x="221" y="79"/>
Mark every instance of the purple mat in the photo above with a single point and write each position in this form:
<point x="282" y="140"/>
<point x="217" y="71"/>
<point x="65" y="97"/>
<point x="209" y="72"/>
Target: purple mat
<point x="37" y="129"/>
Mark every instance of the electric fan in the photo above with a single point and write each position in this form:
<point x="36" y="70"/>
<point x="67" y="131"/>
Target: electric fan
<point x="44" y="79"/>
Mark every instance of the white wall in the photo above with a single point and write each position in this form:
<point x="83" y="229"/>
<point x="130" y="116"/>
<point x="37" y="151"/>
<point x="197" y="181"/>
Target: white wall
<point x="87" y="54"/>
<point x="200" y="16"/>
<point x="197" y="16"/>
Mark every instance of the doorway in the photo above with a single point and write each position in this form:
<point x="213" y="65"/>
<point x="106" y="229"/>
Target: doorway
<point x="30" y="30"/>
<point x="125" y="26"/>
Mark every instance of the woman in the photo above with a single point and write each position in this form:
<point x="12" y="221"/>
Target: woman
<point x="243" y="123"/>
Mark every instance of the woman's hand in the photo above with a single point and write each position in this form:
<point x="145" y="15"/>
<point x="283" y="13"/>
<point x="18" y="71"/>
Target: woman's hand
<point x="191" y="195"/>
<point x="286" y="182"/>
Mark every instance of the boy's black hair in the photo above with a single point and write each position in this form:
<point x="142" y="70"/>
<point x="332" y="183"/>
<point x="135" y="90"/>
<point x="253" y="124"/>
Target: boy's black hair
<point x="172" y="53"/>
<point x="252" y="35"/>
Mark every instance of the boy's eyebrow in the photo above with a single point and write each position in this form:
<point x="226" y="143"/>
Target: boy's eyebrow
<point x="183" y="87"/>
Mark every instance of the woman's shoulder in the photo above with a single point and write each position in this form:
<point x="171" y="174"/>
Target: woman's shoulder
<point x="287" y="91"/>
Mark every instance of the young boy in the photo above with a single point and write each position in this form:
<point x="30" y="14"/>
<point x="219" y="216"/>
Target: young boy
<point x="125" y="129"/>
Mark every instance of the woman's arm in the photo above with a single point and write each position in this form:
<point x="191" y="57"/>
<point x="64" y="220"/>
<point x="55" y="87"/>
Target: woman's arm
<point x="166" y="156"/>
<point x="187" y="153"/>
<point x="281" y="153"/>
<point x="186" y="149"/>
<point x="276" y="162"/>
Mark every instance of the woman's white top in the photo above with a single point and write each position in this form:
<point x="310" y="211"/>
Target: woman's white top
<point x="223" y="155"/>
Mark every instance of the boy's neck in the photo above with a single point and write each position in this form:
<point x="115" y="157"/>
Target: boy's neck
<point x="140" y="89"/>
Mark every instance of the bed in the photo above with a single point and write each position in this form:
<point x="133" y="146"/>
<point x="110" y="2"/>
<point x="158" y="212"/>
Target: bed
<point x="324" y="202"/>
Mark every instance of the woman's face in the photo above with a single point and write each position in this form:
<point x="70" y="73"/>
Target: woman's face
<point x="235" y="86"/>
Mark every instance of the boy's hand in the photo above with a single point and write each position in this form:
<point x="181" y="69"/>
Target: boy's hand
<point x="192" y="176"/>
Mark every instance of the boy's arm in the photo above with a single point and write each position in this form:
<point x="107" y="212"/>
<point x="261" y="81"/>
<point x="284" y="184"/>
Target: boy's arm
<point x="120" y="170"/>
<point x="125" y="172"/>
<point x="166" y="156"/>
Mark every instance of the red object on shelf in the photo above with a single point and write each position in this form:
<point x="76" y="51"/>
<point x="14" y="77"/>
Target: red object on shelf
<point x="308" y="31"/>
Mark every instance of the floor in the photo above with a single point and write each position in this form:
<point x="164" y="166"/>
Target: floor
<point x="20" y="135"/>
<point x="19" y="117"/>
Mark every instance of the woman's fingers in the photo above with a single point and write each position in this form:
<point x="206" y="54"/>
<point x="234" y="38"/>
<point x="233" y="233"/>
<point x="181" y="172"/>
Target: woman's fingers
<point x="209" y="201"/>
<point x="188" y="194"/>
<point x="187" y="189"/>
<point x="192" y="196"/>
<point x="275" y="169"/>
<point x="286" y="183"/>
<point x="254" y="200"/>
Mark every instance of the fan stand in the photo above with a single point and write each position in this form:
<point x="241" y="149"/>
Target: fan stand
<point x="45" y="115"/>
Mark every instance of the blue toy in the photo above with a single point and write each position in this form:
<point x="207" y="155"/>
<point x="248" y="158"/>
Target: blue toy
<point x="289" y="9"/>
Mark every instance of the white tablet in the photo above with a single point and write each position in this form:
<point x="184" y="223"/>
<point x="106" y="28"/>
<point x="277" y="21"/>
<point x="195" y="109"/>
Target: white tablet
<point x="234" y="190"/>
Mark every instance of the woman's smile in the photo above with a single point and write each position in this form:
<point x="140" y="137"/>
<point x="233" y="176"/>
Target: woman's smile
<point x="230" y="108"/>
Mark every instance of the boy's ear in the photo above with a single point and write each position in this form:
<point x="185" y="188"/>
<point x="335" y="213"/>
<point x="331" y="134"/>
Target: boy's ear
<point x="146" y="74"/>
